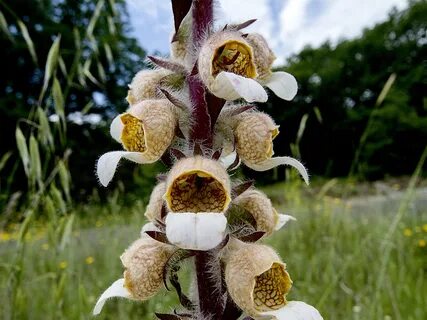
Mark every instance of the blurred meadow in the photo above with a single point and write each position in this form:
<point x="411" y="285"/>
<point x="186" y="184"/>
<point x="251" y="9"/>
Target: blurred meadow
<point x="358" y="249"/>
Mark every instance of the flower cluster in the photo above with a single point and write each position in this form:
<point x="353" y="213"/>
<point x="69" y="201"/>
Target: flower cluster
<point x="197" y="207"/>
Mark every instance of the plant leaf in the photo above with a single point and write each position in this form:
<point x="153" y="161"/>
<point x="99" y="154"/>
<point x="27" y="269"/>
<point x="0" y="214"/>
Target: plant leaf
<point x="167" y="64"/>
<point x="215" y="106"/>
<point x="253" y="237"/>
<point x="178" y="154"/>
<point x="240" y="26"/>
<point x="238" y="110"/>
<point x="175" y="101"/>
<point x="158" y="236"/>
<point x="242" y="187"/>
<point x="166" y="316"/>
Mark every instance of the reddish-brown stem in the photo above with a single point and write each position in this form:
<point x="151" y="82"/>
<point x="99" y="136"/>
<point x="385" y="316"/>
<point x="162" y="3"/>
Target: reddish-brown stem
<point x="209" y="285"/>
<point x="208" y="269"/>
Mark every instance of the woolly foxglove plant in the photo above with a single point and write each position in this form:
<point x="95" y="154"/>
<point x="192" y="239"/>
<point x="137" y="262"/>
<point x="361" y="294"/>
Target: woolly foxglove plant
<point x="193" y="112"/>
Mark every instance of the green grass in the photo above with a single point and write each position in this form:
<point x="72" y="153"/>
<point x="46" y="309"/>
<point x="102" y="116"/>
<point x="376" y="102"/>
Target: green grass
<point x="334" y="254"/>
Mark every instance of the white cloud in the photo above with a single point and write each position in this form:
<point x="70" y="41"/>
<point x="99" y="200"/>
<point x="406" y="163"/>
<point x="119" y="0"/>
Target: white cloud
<point x="235" y="11"/>
<point x="337" y="19"/>
<point x="299" y="22"/>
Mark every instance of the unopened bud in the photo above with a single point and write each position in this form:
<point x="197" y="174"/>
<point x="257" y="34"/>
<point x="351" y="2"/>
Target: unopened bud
<point x="144" y="85"/>
<point x="254" y="133"/>
<point x="154" y="208"/>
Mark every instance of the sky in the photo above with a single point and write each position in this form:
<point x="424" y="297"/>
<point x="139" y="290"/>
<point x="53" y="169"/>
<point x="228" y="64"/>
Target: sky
<point x="288" y="25"/>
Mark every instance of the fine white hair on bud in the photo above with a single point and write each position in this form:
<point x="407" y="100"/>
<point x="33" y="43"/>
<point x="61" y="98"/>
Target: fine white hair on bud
<point x="153" y="211"/>
<point x="226" y="66"/>
<point x="144" y="85"/>
<point x="263" y="55"/>
<point x="198" y="184"/>
<point x="146" y="130"/>
<point x="144" y="262"/>
<point x="260" y="207"/>
<point x="254" y="133"/>
<point x="196" y="231"/>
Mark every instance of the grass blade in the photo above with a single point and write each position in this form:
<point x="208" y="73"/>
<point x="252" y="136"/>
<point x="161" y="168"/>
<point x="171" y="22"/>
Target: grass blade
<point x="28" y="41"/>
<point x="4" y="27"/>
<point x="51" y="62"/>
<point x="23" y="150"/>
<point x="35" y="163"/>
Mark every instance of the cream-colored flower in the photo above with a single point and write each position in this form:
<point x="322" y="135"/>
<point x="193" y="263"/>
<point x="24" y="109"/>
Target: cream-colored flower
<point x="197" y="184"/>
<point x="254" y="133"/>
<point x="144" y="85"/>
<point x="233" y="66"/>
<point x="259" y="206"/>
<point x="197" y="195"/>
<point x="146" y="130"/>
<point x="283" y="84"/>
<point x="144" y="262"/>
<point x="153" y="211"/>
<point x="226" y="66"/>
<point x="258" y="283"/>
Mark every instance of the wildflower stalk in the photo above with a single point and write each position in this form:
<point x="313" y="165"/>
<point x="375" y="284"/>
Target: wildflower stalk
<point x="190" y="208"/>
<point x="202" y="20"/>
<point x="208" y="286"/>
<point x="207" y="264"/>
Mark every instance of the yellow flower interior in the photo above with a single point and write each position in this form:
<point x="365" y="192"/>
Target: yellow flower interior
<point x="196" y="191"/>
<point x="132" y="134"/>
<point x="274" y="134"/>
<point x="234" y="57"/>
<point x="271" y="288"/>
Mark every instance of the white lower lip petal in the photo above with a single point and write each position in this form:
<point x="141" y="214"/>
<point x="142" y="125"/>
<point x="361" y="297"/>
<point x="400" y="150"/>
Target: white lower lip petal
<point x="196" y="231"/>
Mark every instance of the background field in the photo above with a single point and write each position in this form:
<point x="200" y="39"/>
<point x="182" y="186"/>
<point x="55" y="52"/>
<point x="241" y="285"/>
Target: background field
<point x="344" y="254"/>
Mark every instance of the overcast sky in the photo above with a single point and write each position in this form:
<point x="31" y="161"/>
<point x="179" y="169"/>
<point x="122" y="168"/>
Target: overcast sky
<point x="288" y="25"/>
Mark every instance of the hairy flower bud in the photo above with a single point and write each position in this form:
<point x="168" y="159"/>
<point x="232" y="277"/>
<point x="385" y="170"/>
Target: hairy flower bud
<point x="263" y="55"/>
<point x="254" y="133"/>
<point x="144" y="262"/>
<point x="144" y="85"/>
<point x="258" y="283"/>
<point x="259" y="206"/>
<point x="146" y="130"/>
<point x="226" y="66"/>
<point x="154" y="208"/>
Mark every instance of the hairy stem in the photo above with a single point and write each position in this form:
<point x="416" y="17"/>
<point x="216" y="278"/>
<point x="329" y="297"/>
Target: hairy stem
<point x="202" y="20"/>
<point x="208" y="269"/>
<point x="211" y="304"/>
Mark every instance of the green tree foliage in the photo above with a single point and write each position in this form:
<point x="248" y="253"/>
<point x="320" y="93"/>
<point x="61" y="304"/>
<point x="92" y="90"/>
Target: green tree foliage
<point x="97" y="60"/>
<point x="343" y="83"/>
